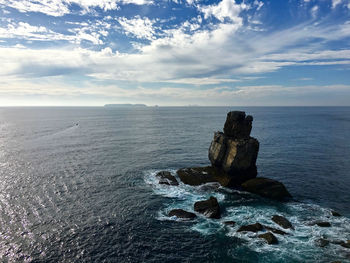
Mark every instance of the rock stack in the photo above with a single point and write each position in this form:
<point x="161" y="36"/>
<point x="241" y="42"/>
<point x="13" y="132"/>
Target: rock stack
<point x="234" y="151"/>
<point x="233" y="155"/>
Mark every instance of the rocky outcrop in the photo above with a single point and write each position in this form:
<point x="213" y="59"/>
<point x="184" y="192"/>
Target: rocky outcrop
<point x="275" y="230"/>
<point x="322" y="242"/>
<point x="346" y="244"/>
<point x="210" y="208"/>
<point x="165" y="177"/>
<point x="182" y="214"/>
<point x="233" y="155"/>
<point x="269" y="237"/>
<point x="230" y="223"/>
<point x="203" y="175"/>
<point x="321" y="224"/>
<point x="234" y="151"/>
<point x="259" y="227"/>
<point x="238" y="125"/>
<point x="251" y="228"/>
<point x="334" y="213"/>
<point x="282" y="221"/>
<point x="267" y="188"/>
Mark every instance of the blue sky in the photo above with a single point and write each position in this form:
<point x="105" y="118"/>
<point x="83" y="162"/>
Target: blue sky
<point x="175" y="52"/>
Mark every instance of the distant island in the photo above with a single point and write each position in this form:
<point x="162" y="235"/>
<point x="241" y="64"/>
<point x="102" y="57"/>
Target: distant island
<point x="125" y="105"/>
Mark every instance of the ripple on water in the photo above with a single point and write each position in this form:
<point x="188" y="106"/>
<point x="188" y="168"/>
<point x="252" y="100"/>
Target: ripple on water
<point x="299" y="244"/>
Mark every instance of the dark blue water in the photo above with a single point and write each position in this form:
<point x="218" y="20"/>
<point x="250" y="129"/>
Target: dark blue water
<point x="87" y="192"/>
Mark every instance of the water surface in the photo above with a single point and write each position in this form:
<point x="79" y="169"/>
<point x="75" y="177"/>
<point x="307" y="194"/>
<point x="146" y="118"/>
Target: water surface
<point x="78" y="184"/>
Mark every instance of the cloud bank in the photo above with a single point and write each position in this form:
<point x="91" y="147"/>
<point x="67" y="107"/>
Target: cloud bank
<point x="224" y="49"/>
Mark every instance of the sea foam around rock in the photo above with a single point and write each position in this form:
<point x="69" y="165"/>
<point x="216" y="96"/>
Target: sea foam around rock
<point x="244" y="208"/>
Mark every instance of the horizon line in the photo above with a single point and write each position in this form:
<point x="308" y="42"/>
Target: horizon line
<point x="163" y="106"/>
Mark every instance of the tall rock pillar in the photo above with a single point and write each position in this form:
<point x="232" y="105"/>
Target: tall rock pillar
<point x="233" y="150"/>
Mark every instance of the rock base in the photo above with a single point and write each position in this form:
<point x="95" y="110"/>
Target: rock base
<point x="267" y="188"/>
<point x="202" y="175"/>
<point x="210" y="208"/>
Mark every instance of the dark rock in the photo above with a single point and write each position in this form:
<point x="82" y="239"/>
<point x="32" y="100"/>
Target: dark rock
<point x="275" y="230"/>
<point x="282" y="221"/>
<point x="167" y="178"/>
<point x="235" y="157"/>
<point x="322" y="242"/>
<point x="337" y="242"/>
<point x="321" y="224"/>
<point x="237" y="125"/>
<point x="334" y="213"/>
<point x="217" y="149"/>
<point x="251" y="228"/>
<point x="210" y="208"/>
<point x="267" y="188"/>
<point x="203" y="175"/>
<point x="234" y="151"/>
<point x="346" y="244"/>
<point x="230" y="223"/>
<point x="269" y="237"/>
<point x="182" y="214"/>
<point x="212" y="187"/>
<point x="336" y="261"/>
<point x="240" y="157"/>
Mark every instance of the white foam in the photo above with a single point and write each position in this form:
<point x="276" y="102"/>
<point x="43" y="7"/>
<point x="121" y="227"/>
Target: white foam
<point x="299" y="244"/>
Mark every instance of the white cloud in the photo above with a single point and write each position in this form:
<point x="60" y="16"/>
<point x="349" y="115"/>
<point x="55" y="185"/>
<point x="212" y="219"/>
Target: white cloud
<point x="314" y="11"/>
<point x="88" y="32"/>
<point x="335" y="3"/>
<point x="218" y="54"/>
<point x="29" y="32"/>
<point x="87" y="4"/>
<point x="225" y="9"/>
<point x="138" y="2"/>
<point x="49" y="7"/>
<point x="61" y="7"/>
<point x="209" y="56"/>
<point x="258" y="4"/>
<point x="203" y="81"/>
<point x="238" y="95"/>
<point x="139" y="27"/>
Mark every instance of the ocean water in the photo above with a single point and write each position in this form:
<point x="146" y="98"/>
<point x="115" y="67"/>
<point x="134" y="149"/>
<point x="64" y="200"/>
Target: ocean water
<point x="78" y="185"/>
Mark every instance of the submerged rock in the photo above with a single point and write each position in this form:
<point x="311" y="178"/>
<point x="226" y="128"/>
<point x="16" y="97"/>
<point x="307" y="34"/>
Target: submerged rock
<point x="202" y="175"/>
<point x="230" y="223"/>
<point x="323" y="224"/>
<point x="275" y="230"/>
<point x="269" y="237"/>
<point x="320" y="224"/>
<point x="322" y="242"/>
<point x="210" y="208"/>
<point x="165" y="177"/>
<point x="282" y="221"/>
<point x="267" y="188"/>
<point x="334" y="213"/>
<point x="346" y="244"/>
<point x="180" y="213"/>
<point x="251" y="228"/>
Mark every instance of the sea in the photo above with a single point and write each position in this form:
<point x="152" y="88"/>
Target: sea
<point x="78" y="184"/>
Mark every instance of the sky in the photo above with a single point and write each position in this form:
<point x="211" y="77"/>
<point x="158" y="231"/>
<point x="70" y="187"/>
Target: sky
<point x="175" y="52"/>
